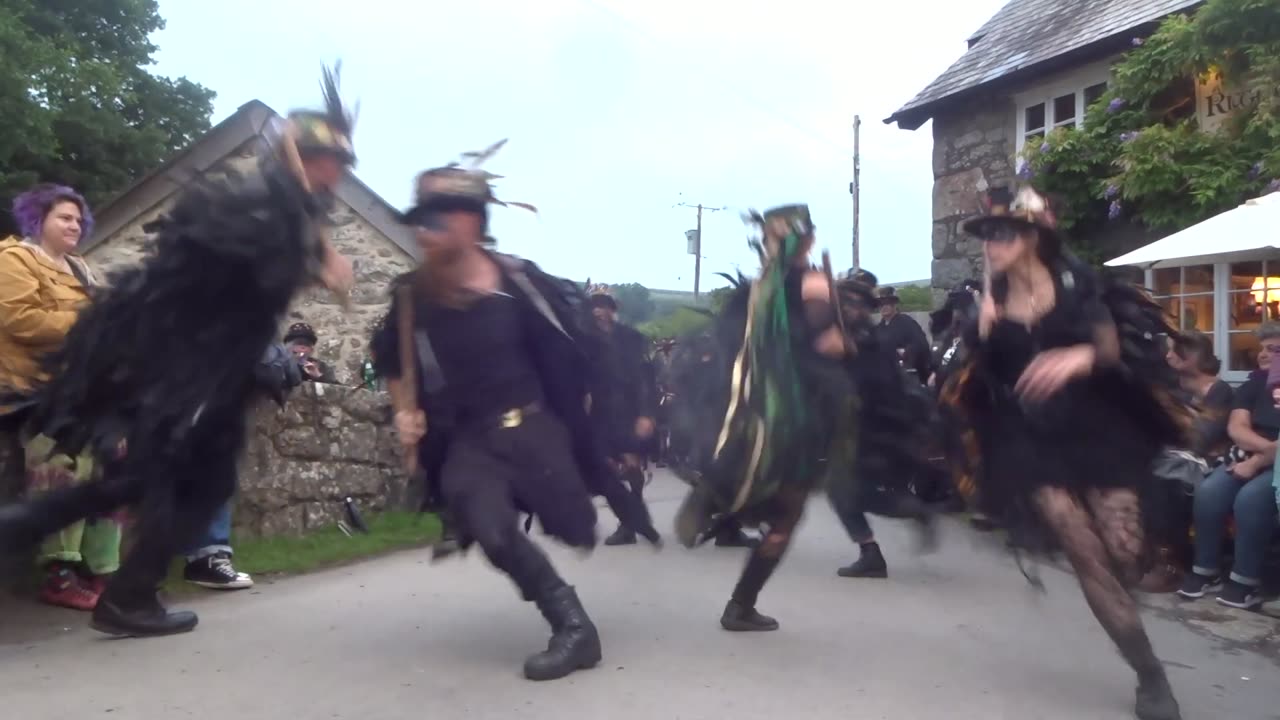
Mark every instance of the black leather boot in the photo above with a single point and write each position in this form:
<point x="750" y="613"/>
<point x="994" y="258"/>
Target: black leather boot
<point x="740" y="618"/>
<point x="623" y="536"/>
<point x="148" y="619"/>
<point x="870" y="564"/>
<point x="575" y="643"/>
<point x="1155" y="699"/>
<point x="447" y="546"/>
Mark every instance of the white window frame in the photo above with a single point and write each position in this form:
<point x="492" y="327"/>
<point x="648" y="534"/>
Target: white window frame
<point x="1222" y="310"/>
<point x="1074" y="82"/>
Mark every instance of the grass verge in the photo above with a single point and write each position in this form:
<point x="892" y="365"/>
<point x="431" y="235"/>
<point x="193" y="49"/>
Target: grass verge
<point x="327" y="547"/>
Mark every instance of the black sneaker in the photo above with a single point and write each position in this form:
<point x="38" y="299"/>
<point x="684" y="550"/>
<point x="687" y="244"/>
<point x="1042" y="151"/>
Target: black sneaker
<point x="1238" y="595"/>
<point x="1195" y="586"/>
<point x="217" y="573"/>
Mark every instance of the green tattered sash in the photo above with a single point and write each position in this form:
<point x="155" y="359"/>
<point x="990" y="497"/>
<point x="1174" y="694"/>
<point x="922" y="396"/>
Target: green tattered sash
<point x="772" y="434"/>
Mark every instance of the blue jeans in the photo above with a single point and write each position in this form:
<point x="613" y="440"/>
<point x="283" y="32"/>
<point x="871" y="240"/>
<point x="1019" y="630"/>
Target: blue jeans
<point x="216" y="539"/>
<point x="1253" y="504"/>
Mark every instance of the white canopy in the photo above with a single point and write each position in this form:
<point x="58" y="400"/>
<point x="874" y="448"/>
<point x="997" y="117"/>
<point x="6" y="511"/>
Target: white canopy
<point x="1249" y="232"/>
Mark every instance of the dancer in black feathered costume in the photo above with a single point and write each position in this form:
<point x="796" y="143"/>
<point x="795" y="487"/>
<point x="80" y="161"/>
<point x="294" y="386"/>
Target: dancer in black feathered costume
<point x="698" y="378"/>
<point x="503" y="349"/>
<point x="790" y="408"/>
<point x="157" y="375"/>
<point x="1068" y="394"/>
<point x="624" y="400"/>
<point x="893" y="431"/>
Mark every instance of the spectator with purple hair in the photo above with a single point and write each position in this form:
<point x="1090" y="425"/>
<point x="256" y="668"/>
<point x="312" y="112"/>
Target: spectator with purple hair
<point x="43" y="285"/>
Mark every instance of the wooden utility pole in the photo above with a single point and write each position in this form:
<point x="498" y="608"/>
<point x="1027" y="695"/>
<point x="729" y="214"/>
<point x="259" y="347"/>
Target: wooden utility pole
<point x="855" y="187"/>
<point x="697" y="248"/>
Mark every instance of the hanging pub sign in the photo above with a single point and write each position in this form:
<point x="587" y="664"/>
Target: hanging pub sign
<point x="691" y="239"/>
<point x="1218" y="102"/>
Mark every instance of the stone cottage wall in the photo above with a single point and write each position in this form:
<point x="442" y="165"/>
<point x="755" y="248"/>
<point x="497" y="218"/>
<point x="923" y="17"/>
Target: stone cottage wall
<point x="973" y="149"/>
<point x="327" y="443"/>
<point x="302" y="461"/>
<point x="343" y="334"/>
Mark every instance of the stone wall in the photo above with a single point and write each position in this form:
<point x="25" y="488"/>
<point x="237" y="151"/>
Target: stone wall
<point x="973" y="149"/>
<point x="328" y="443"/>
<point x="343" y="335"/>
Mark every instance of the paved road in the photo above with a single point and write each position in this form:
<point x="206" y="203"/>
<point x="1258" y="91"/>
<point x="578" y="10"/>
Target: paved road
<point x="955" y="635"/>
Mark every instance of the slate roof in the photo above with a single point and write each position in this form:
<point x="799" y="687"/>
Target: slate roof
<point x="1025" y="34"/>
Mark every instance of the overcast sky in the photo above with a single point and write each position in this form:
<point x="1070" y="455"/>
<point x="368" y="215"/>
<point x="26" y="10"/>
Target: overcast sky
<point x="616" y="111"/>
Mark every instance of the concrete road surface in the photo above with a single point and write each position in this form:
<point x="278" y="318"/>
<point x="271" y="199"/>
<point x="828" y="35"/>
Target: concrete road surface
<point x="955" y="635"/>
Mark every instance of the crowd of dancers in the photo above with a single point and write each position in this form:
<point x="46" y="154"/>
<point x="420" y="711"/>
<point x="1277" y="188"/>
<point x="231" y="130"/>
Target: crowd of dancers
<point x="519" y="397"/>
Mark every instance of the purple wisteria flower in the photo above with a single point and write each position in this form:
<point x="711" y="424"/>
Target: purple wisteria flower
<point x="1274" y="186"/>
<point x="1129" y="137"/>
<point x="1111" y="192"/>
<point x="1115" y="210"/>
<point x="1045" y="147"/>
<point x="1255" y="172"/>
<point x="1137" y="42"/>
<point x="1024" y="170"/>
<point x="1115" y="105"/>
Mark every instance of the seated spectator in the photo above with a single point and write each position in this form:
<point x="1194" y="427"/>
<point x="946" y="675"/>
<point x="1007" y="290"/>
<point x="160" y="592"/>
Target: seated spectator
<point x="1191" y="355"/>
<point x="43" y="285"/>
<point x="1184" y="469"/>
<point x="209" y="563"/>
<point x="1240" y="487"/>
<point x="301" y="340"/>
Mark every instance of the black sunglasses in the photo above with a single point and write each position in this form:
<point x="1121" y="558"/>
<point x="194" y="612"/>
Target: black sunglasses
<point x="1003" y="234"/>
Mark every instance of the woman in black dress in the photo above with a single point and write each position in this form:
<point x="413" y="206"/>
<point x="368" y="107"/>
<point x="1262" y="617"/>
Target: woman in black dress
<point x="1066" y="394"/>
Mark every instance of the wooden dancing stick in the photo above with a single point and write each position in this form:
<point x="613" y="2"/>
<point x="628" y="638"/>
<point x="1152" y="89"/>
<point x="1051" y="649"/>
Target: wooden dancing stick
<point x="404" y="396"/>
<point x="835" y="301"/>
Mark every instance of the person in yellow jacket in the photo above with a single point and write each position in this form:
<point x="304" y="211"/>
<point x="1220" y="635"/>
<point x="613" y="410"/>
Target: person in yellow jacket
<point x="43" y="285"/>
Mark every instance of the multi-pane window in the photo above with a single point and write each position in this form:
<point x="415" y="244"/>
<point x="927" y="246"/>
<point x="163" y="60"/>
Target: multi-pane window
<point x="1186" y="294"/>
<point x="1253" y="298"/>
<point x="1038" y="116"/>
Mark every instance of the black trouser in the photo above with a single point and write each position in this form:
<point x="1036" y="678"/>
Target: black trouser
<point x="492" y="473"/>
<point x="171" y="516"/>
<point x="182" y="487"/>
<point x="623" y="487"/>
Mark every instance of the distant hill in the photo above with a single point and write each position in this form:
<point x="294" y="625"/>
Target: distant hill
<point x="685" y="297"/>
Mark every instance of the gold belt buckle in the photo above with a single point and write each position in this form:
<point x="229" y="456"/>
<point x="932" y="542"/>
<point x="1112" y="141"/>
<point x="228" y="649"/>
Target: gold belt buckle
<point x="512" y="418"/>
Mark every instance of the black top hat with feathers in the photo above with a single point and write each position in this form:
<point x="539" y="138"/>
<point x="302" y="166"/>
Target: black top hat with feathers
<point x="458" y="187"/>
<point x="328" y="130"/>
<point x="1027" y="210"/>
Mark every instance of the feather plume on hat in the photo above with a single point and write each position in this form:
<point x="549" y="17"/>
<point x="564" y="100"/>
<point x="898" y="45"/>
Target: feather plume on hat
<point x="339" y="116"/>
<point x="462" y="182"/>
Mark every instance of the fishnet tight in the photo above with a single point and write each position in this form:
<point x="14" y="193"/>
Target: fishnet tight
<point x="1103" y="540"/>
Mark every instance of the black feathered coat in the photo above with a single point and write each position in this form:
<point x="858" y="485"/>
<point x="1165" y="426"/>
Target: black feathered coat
<point x="166" y="355"/>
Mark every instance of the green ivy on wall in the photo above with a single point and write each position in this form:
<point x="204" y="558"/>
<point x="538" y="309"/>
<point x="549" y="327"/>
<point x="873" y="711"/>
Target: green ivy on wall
<point x="1141" y="156"/>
